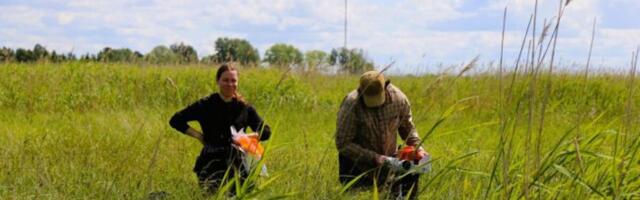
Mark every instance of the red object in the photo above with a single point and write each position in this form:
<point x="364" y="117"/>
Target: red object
<point x="250" y="145"/>
<point x="409" y="153"/>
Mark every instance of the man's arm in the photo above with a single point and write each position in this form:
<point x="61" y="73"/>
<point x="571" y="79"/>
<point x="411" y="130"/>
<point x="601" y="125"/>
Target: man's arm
<point x="407" y="128"/>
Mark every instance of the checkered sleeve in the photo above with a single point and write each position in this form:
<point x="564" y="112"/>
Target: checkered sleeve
<point x="407" y="128"/>
<point x="346" y="129"/>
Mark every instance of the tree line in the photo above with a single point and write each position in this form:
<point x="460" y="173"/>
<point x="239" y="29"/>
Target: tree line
<point x="279" y="55"/>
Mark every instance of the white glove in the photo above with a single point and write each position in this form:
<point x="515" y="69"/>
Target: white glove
<point x="424" y="165"/>
<point x="397" y="165"/>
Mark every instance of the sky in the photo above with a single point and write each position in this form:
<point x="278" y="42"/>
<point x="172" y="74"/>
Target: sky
<point x="417" y="35"/>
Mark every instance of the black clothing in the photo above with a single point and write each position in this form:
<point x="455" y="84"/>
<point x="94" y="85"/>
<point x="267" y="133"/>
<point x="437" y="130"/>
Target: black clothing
<point x="407" y="185"/>
<point x="349" y="171"/>
<point x="214" y="162"/>
<point x="216" y="117"/>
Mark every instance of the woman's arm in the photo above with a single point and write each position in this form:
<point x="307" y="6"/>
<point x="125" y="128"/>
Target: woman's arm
<point x="257" y="124"/>
<point x="190" y="113"/>
<point x="195" y="134"/>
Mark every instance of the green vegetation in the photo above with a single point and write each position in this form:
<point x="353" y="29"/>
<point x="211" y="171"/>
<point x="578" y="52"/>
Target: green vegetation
<point x="123" y="55"/>
<point x="283" y="55"/>
<point x="316" y="60"/>
<point x="161" y="55"/>
<point x="237" y="50"/>
<point x="81" y="130"/>
<point x="186" y="54"/>
<point x="353" y="61"/>
<point x="234" y="50"/>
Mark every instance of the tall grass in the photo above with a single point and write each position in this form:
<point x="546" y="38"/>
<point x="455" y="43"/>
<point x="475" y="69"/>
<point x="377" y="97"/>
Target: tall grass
<point x="100" y="131"/>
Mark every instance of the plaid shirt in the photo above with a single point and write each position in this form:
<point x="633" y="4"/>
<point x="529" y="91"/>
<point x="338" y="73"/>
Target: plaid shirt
<point x="362" y="133"/>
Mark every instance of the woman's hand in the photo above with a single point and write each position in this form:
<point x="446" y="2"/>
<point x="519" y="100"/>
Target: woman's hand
<point x="253" y="136"/>
<point x="195" y="134"/>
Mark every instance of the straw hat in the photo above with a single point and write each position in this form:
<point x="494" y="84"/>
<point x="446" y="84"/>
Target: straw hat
<point x="372" y="88"/>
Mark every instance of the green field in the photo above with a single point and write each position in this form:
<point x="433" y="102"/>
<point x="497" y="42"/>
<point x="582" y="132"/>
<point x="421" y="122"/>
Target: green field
<point x="100" y="131"/>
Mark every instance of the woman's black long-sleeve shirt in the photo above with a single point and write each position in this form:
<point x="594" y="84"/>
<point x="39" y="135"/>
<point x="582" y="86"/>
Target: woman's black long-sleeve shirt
<point x="217" y="116"/>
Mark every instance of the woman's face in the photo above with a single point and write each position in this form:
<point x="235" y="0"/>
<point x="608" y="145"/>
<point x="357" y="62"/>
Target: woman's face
<point x="228" y="83"/>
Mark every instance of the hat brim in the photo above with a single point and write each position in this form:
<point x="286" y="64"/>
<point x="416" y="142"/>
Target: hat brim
<point x="374" y="100"/>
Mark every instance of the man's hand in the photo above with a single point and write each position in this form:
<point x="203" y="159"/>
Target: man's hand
<point x="422" y="153"/>
<point x="380" y="160"/>
<point x="410" y="153"/>
<point x="397" y="165"/>
<point x="392" y="163"/>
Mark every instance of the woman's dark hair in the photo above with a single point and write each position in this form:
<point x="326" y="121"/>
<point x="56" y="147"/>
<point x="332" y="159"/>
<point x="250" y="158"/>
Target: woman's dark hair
<point x="229" y="67"/>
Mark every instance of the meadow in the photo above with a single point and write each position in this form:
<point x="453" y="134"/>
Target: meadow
<point x="100" y="131"/>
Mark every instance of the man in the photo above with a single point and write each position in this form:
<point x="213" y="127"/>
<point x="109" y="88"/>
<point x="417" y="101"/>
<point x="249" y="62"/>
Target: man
<point x="369" y="120"/>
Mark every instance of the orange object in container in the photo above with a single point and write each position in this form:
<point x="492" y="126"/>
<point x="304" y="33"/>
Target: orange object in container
<point x="248" y="143"/>
<point x="409" y="153"/>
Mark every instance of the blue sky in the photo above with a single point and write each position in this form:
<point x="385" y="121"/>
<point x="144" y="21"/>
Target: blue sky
<point x="417" y="35"/>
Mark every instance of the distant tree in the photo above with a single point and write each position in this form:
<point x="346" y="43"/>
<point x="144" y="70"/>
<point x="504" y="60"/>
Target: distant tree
<point x="59" y="57"/>
<point x="86" y="57"/>
<point x="315" y="60"/>
<point x="106" y="55"/>
<point x="283" y="55"/>
<point x="54" y="57"/>
<point x="25" y="55"/>
<point x="185" y="53"/>
<point x="351" y="61"/>
<point x="161" y="55"/>
<point x="238" y="50"/>
<point x="210" y="59"/>
<point x="137" y="56"/>
<point x="40" y="52"/>
<point x="71" y="56"/>
<point x="118" y="55"/>
<point x="6" y="54"/>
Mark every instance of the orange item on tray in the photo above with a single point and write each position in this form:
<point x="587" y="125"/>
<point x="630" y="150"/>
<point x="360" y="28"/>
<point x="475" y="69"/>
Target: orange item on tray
<point x="247" y="143"/>
<point x="409" y="153"/>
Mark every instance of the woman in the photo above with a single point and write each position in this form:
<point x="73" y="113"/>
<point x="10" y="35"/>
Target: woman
<point x="216" y="113"/>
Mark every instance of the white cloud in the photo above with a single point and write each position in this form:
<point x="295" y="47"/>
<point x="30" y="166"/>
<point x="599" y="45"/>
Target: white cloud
<point x="403" y="30"/>
<point x="21" y="15"/>
<point x="579" y="15"/>
<point x="626" y="3"/>
<point x="624" y="39"/>
<point x="65" y="18"/>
